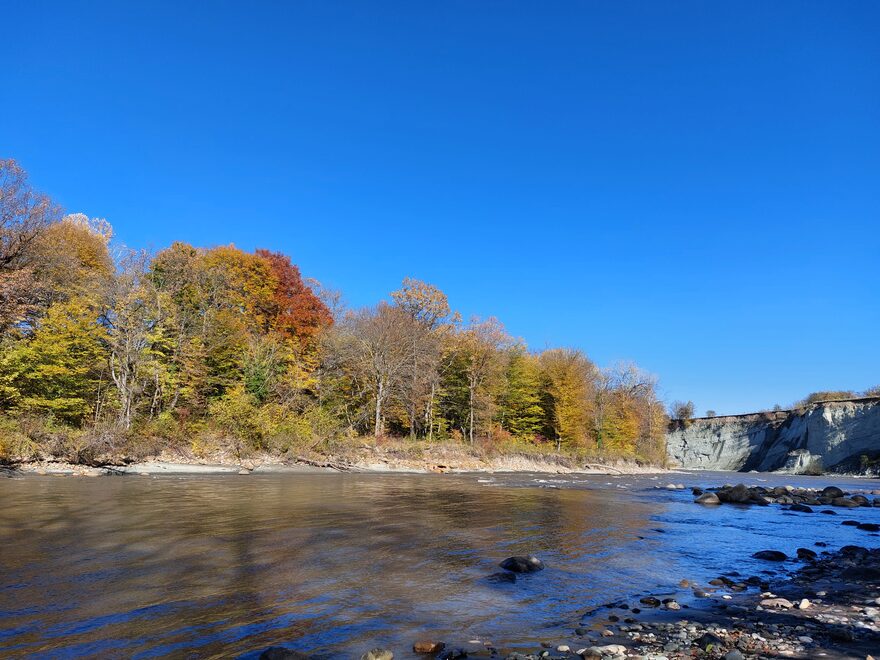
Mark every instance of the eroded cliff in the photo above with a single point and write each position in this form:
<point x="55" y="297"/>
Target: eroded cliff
<point x="831" y="436"/>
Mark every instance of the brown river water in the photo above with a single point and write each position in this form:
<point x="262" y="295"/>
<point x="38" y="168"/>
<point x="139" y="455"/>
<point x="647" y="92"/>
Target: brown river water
<point x="335" y="564"/>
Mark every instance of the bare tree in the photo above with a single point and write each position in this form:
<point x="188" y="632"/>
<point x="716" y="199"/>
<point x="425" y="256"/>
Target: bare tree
<point x="131" y="319"/>
<point x="378" y="351"/>
<point x="683" y="410"/>
<point x="428" y="308"/>
<point x="24" y="215"/>
<point x="479" y="347"/>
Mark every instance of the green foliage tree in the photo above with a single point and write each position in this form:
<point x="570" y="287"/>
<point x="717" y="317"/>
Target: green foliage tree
<point x="59" y="368"/>
<point x="519" y="409"/>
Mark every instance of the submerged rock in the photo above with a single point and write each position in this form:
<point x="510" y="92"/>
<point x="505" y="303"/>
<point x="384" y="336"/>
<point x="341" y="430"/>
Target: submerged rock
<point x="452" y="654"/>
<point x="281" y="653"/>
<point x="806" y="553"/>
<point x="501" y="577"/>
<point x="519" y="564"/>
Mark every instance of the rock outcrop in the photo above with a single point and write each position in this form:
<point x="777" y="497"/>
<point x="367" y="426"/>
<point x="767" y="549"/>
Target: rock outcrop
<point x="830" y="436"/>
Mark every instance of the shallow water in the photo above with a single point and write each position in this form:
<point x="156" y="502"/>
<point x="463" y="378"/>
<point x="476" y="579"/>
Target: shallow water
<point x="334" y="564"/>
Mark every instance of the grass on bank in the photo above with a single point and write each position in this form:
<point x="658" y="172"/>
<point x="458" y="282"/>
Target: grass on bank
<point x="31" y="438"/>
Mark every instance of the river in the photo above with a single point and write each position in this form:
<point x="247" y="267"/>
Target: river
<point x="335" y="564"/>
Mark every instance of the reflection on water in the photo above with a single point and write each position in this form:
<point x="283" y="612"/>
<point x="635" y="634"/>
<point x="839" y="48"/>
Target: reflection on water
<point x="336" y="564"/>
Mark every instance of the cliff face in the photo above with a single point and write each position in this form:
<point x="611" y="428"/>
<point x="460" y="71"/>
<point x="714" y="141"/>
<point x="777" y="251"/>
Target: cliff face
<point x="832" y="435"/>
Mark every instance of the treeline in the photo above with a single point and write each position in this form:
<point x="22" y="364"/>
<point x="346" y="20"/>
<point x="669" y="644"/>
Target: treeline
<point x="221" y="348"/>
<point x="684" y="410"/>
<point x="836" y="395"/>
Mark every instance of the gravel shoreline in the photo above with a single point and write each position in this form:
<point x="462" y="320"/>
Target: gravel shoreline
<point x="828" y="608"/>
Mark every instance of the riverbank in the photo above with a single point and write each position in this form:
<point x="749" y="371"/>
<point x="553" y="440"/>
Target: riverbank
<point x="363" y="457"/>
<point x="829" y="607"/>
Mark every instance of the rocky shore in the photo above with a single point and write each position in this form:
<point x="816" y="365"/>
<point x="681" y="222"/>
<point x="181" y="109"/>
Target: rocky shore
<point x="791" y="499"/>
<point x="830" y="608"/>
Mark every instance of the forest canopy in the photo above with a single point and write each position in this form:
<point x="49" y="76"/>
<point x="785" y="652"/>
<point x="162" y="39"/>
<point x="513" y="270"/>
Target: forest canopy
<point x="107" y="348"/>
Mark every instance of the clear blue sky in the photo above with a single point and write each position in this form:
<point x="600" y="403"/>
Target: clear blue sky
<point x="691" y="185"/>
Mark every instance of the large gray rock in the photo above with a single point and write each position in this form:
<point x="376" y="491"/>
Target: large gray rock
<point x="831" y="436"/>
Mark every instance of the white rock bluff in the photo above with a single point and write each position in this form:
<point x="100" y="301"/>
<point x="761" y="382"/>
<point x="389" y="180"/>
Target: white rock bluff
<point x="830" y="436"/>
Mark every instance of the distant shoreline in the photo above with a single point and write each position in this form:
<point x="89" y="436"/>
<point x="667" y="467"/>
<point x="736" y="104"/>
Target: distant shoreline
<point x="376" y="464"/>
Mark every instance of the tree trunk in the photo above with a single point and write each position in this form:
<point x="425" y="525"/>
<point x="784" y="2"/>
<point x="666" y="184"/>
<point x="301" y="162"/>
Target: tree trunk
<point x="429" y="413"/>
<point x="380" y="394"/>
<point x="471" y="414"/>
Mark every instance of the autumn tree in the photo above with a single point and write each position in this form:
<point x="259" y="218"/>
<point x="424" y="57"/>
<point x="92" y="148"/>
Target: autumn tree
<point x="475" y="373"/>
<point x="375" y="350"/>
<point x="57" y="371"/>
<point x="295" y="310"/>
<point x="630" y="417"/>
<point x="138" y="338"/>
<point x="74" y="259"/>
<point x="569" y="383"/>
<point x="520" y="410"/>
<point x="428" y="309"/>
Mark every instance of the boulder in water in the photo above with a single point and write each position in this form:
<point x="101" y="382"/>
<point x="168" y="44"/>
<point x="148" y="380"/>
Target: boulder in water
<point x="806" y="553"/>
<point x="770" y="555"/>
<point x="519" y="564"/>
<point x="739" y="494"/>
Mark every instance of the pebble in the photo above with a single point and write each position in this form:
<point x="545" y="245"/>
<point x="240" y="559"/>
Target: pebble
<point x="378" y="654"/>
<point x="424" y="646"/>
